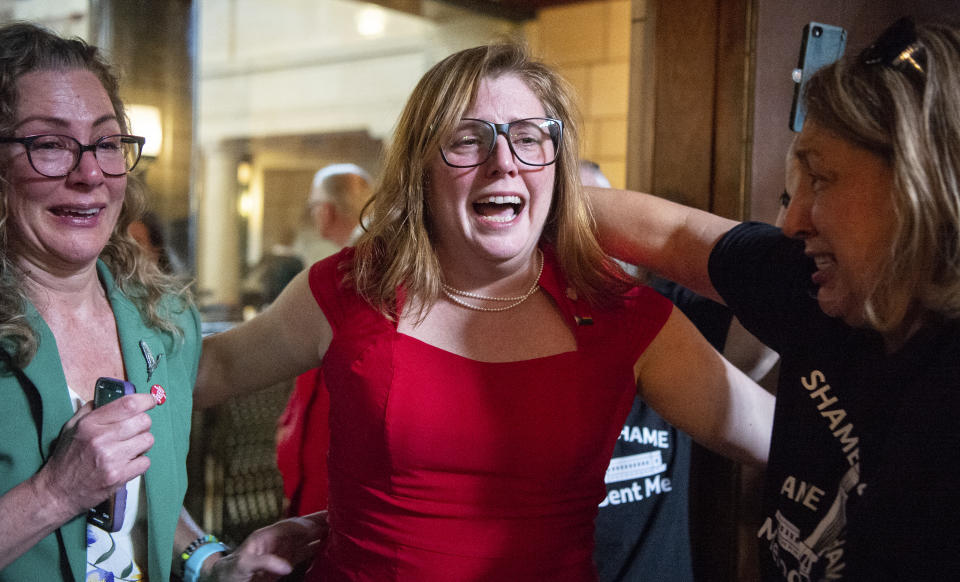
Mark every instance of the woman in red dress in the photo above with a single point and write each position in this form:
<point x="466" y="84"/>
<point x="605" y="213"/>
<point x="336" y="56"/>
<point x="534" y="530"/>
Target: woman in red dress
<point x="479" y="349"/>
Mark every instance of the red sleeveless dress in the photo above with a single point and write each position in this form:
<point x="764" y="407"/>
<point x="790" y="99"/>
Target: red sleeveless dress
<point x="448" y="469"/>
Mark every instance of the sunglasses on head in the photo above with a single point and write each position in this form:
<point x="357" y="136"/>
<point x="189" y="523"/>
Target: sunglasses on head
<point x="897" y="47"/>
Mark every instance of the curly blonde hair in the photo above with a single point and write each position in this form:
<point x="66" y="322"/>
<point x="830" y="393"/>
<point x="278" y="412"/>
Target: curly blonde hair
<point x="397" y="252"/>
<point x="27" y="48"/>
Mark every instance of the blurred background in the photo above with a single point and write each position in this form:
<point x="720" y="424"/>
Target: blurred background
<point x="242" y="101"/>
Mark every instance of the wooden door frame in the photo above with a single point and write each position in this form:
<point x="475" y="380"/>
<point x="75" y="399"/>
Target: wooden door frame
<point x="690" y="140"/>
<point x="691" y="102"/>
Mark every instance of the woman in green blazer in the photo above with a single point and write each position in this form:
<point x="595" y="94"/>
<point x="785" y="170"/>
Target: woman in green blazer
<point x="78" y="301"/>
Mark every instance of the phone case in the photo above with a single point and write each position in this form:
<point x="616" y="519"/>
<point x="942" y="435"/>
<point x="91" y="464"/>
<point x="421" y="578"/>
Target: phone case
<point x="821" y="45"/>
<point x="108" y="515"/>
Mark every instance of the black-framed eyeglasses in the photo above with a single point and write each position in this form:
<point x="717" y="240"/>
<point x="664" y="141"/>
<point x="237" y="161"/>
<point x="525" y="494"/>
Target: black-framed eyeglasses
<point x="534" y="141"/>
<point x="55" y="156"/>
<point x="898" y="47"/>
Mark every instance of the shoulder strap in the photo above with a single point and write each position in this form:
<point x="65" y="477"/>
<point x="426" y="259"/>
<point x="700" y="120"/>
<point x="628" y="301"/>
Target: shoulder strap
<point x="36" y="411"/>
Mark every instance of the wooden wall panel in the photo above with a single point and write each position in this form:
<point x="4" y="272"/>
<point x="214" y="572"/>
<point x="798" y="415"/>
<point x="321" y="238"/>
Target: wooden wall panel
<point x="733" y="111"/>
<point x="702" y="84"/>
<point x="685" y="84"/>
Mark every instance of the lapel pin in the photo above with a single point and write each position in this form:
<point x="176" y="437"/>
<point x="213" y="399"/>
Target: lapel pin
<point x="158" y="393"/>
<point x="151" y="362"/>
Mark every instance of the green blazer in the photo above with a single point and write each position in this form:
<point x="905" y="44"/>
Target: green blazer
<point x="165" y="480"/>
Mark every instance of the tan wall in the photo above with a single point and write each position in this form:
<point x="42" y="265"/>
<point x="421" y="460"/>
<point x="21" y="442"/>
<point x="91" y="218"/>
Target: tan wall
<point x="589" y="43"/>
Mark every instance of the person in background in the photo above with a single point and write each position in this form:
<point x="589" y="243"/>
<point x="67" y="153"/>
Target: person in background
<point x="263" y="284"/>
<point x="592" y="175"/>
<point x="148" y="232"/>
<point x="336" y="201"/>
<point x="643" y="525"/>
<point x="480" y="349"/>
<point x="78" y="302"/>
<point x="859" y="295"/>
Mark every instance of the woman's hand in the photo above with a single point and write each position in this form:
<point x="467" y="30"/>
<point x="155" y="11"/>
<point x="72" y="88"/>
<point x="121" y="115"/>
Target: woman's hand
<point x="97" y="452"/>
<point x="272" y="551"/>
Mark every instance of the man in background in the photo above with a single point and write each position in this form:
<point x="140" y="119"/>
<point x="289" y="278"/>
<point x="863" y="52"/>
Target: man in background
<point x="336" y="200"/>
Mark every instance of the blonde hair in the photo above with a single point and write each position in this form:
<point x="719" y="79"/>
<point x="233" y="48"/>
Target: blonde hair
<point x="396" y="251"/>
<point x="911" y="118"/>
<point x="27" y="48"/>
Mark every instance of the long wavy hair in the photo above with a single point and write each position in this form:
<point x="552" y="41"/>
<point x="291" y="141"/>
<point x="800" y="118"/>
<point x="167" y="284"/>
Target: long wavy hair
<point x="27" y="48"/>
<point x="397" y="252"/>
<point x="910" y="118"/>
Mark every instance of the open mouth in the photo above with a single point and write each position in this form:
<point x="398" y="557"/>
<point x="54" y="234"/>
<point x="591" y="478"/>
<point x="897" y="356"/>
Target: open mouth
<point x="498" y="208"/>
<point x="825" y="266"/>
<point x="75" y="212"/>
<point x="824" y="263"/>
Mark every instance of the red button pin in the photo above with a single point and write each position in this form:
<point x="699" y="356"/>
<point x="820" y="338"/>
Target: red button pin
<point x="159" y="394"/>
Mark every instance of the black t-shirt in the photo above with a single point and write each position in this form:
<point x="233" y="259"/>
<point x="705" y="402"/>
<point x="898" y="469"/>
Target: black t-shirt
<point x="865" y="457"/>
<point x="641" y="527"/>
<point x="642" y="530"/>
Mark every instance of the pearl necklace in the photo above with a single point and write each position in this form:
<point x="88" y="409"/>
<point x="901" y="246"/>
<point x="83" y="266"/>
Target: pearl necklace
<point x="452" y="293"/>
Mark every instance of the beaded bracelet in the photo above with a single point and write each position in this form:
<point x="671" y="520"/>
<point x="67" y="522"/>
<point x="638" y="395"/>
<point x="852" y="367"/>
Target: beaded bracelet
<point x="193" y="557"/>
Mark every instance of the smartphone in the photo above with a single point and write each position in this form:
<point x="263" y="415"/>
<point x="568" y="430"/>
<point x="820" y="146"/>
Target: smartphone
<point x="108" y="515"/>
<point x="821" y="45"/>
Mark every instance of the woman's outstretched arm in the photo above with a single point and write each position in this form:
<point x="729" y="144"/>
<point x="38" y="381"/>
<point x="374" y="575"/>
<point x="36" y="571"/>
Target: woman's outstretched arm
<point x="695" y="389"/>
<point x="670" y="239"/>
<point x="287" y="339"/>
